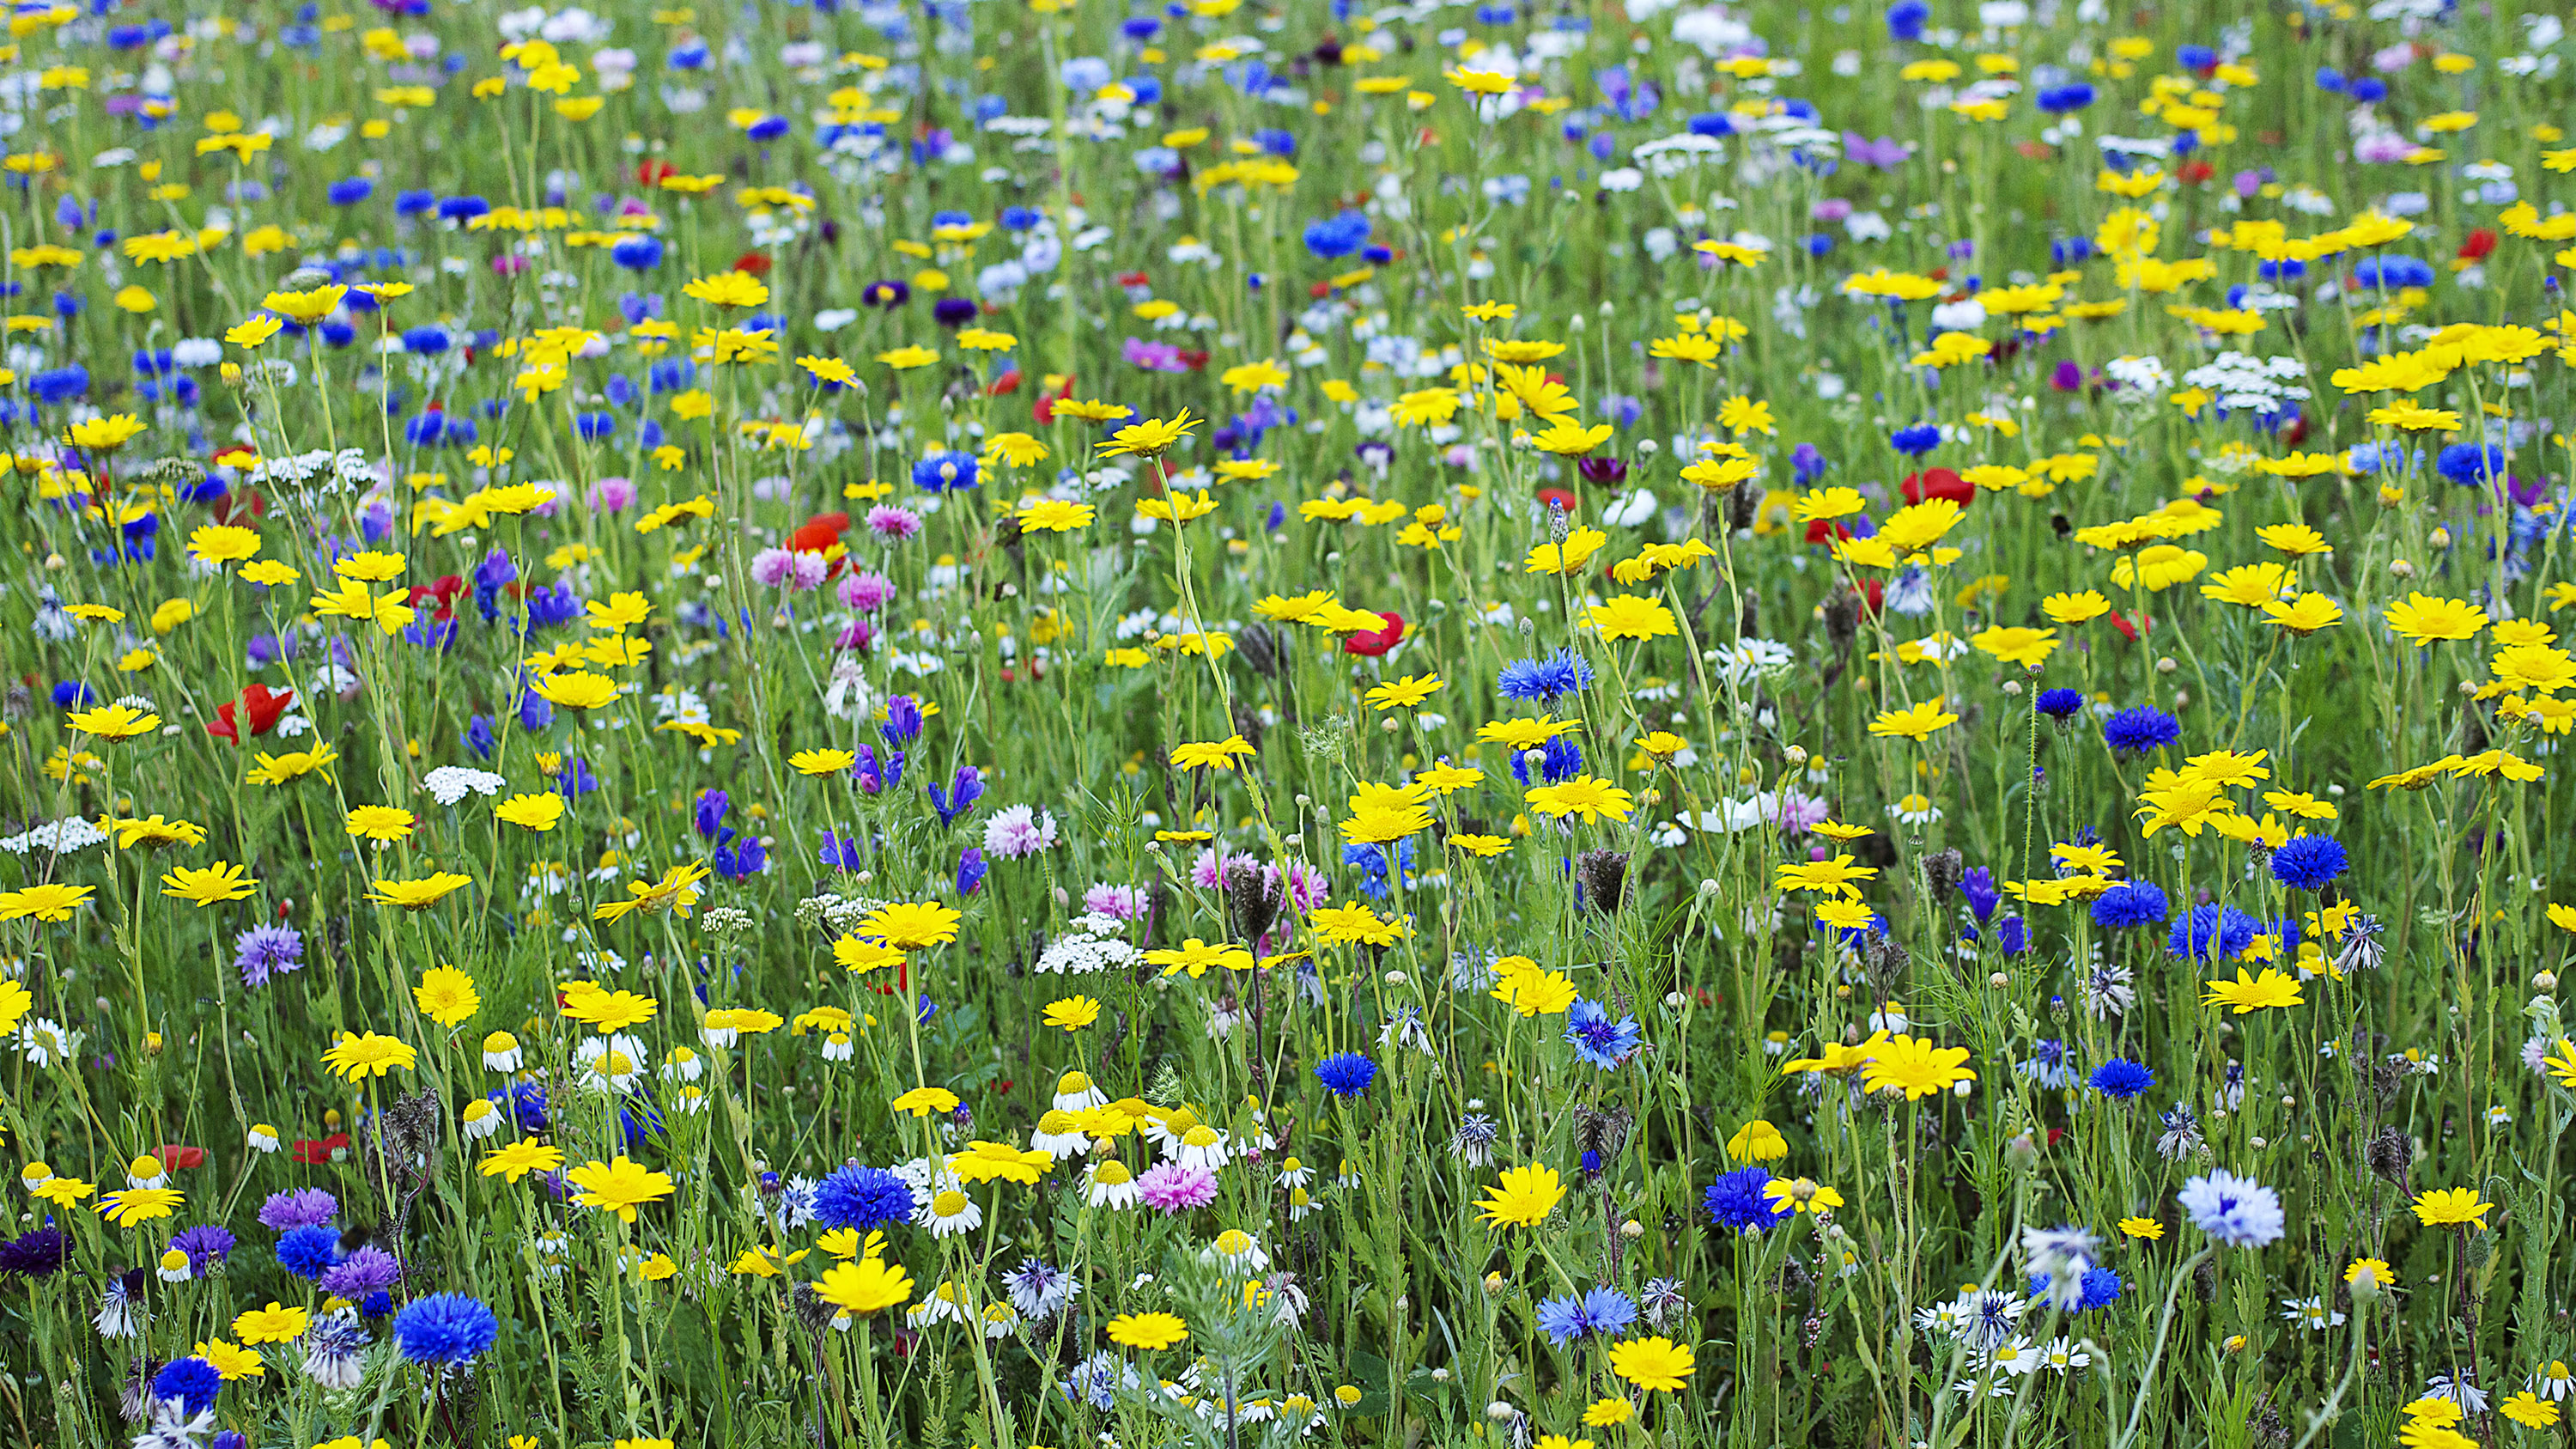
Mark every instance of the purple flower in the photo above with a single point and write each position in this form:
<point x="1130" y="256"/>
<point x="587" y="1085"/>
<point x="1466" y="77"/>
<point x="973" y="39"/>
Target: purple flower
<point x="205" y="1244"/>
<point x="369" y="1270"/>
<point x="893" y="524"/>
<point x="264" y="951"/>
<point x="1887" y="153"/>
<point x="1152" y="356"/>
<point x="305" y="1207"/>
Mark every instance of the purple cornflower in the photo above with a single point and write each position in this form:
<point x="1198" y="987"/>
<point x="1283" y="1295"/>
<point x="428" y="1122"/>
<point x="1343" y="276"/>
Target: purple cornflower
<point x="205" y="1244"/>
<point x="304" y="1207"/>
<point x="368" y="1270"/>
<point x="265" y="951"/>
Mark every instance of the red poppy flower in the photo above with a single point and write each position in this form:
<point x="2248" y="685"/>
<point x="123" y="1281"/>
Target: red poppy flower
<point x="1939" y="483"/>
<point x="650" y="173"/>
<point x="442" y="594"/>
<point x="260" y="704"/>
<point x="1194" y="361"/>
<point x="1372" y="645"/>
<point x="314" y="1153"/>
<point x="1873" y="593"/>
<point x="1558" y="499"/>
<point x="242" y="508"/>
<point x="174" y="1156"/>
<point x="756" y="263"/>
<point x="2480" y="243"/>
<point x="2196" y="173"/>
<point x="1134" y="279"/>
<point x="1319" y="290"/>
<point x="1818" y="530"/>
<point x="2128" y="630"/>
<point x="1048" y="397"/>
<point x="1007" y="383"/>
<point x="818" y="533"/>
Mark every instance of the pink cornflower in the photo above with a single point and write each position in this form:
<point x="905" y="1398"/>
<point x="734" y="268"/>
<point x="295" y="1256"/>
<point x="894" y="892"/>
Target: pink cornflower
<point x="1018" y="832"/>
<point x="612" y="495"/>
<point x="893" y="523"/>
<point x="774" y="567"/>
<point x="1177" y="1189"/>
<point x="866" y="593"/>
<point x="1118" y="902"/>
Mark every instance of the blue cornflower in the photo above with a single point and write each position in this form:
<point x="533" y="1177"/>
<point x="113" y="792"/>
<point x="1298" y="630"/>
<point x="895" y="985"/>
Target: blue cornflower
<point x="2136" y="731"/>
<point x="2197" y="931"/>
<point x="1336" y="237"/>
<point x="862" y="1199"/>
<point x="1737" y="1201"/>
<point x="306" y="1252"/>
<point x="2467" y="463"/>
<point x="944" y="472"/>
<point x="2122" y="1079"/>
<point x="971" y="870"/>
<point x="2130" y="903"/>
<point x="1549" y="678"/>
<point x="2059" y="704"/>
<point x="445" y="1328"/>
<point x="1906" y="19"/>
<point x="1609" y="1311"/>
<point x="2101" y="1288"/>
<point x="2390" y="273"/>
<point x="2309" y="862"/>
<point x="1560" y="759"/>
<point x="1561" y="1319"/>
<point x="1597" y="1039"/>
<point x="1346" y="1074"/>
<point x="2047" y="1065"/>
<point x="637" y="253"/>
<point x="1915" y="441"/>
<point x="1370" y="862"/>
<point x="192" y="1381"/>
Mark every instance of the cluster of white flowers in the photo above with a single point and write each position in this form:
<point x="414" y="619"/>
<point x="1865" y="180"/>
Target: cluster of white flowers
<point x="2139" y="376"/>
<point x="451" y="783"/>
<point x="2258" y="383"/>
<point x="62" y="836"/>
<point x="1096" y="943"/>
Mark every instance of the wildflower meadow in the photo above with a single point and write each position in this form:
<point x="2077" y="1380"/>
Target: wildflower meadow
<point x="1542" y="724"/>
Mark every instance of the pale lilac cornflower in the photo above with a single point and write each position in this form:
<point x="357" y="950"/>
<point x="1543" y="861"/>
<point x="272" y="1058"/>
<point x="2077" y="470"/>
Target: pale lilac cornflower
<point x="1018" y="832"/>
<point x="2238" y="1211"/>
<point x="1176" y="1189"/>
<point x="612" y="495"/>
<point x="893" y="524"/>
